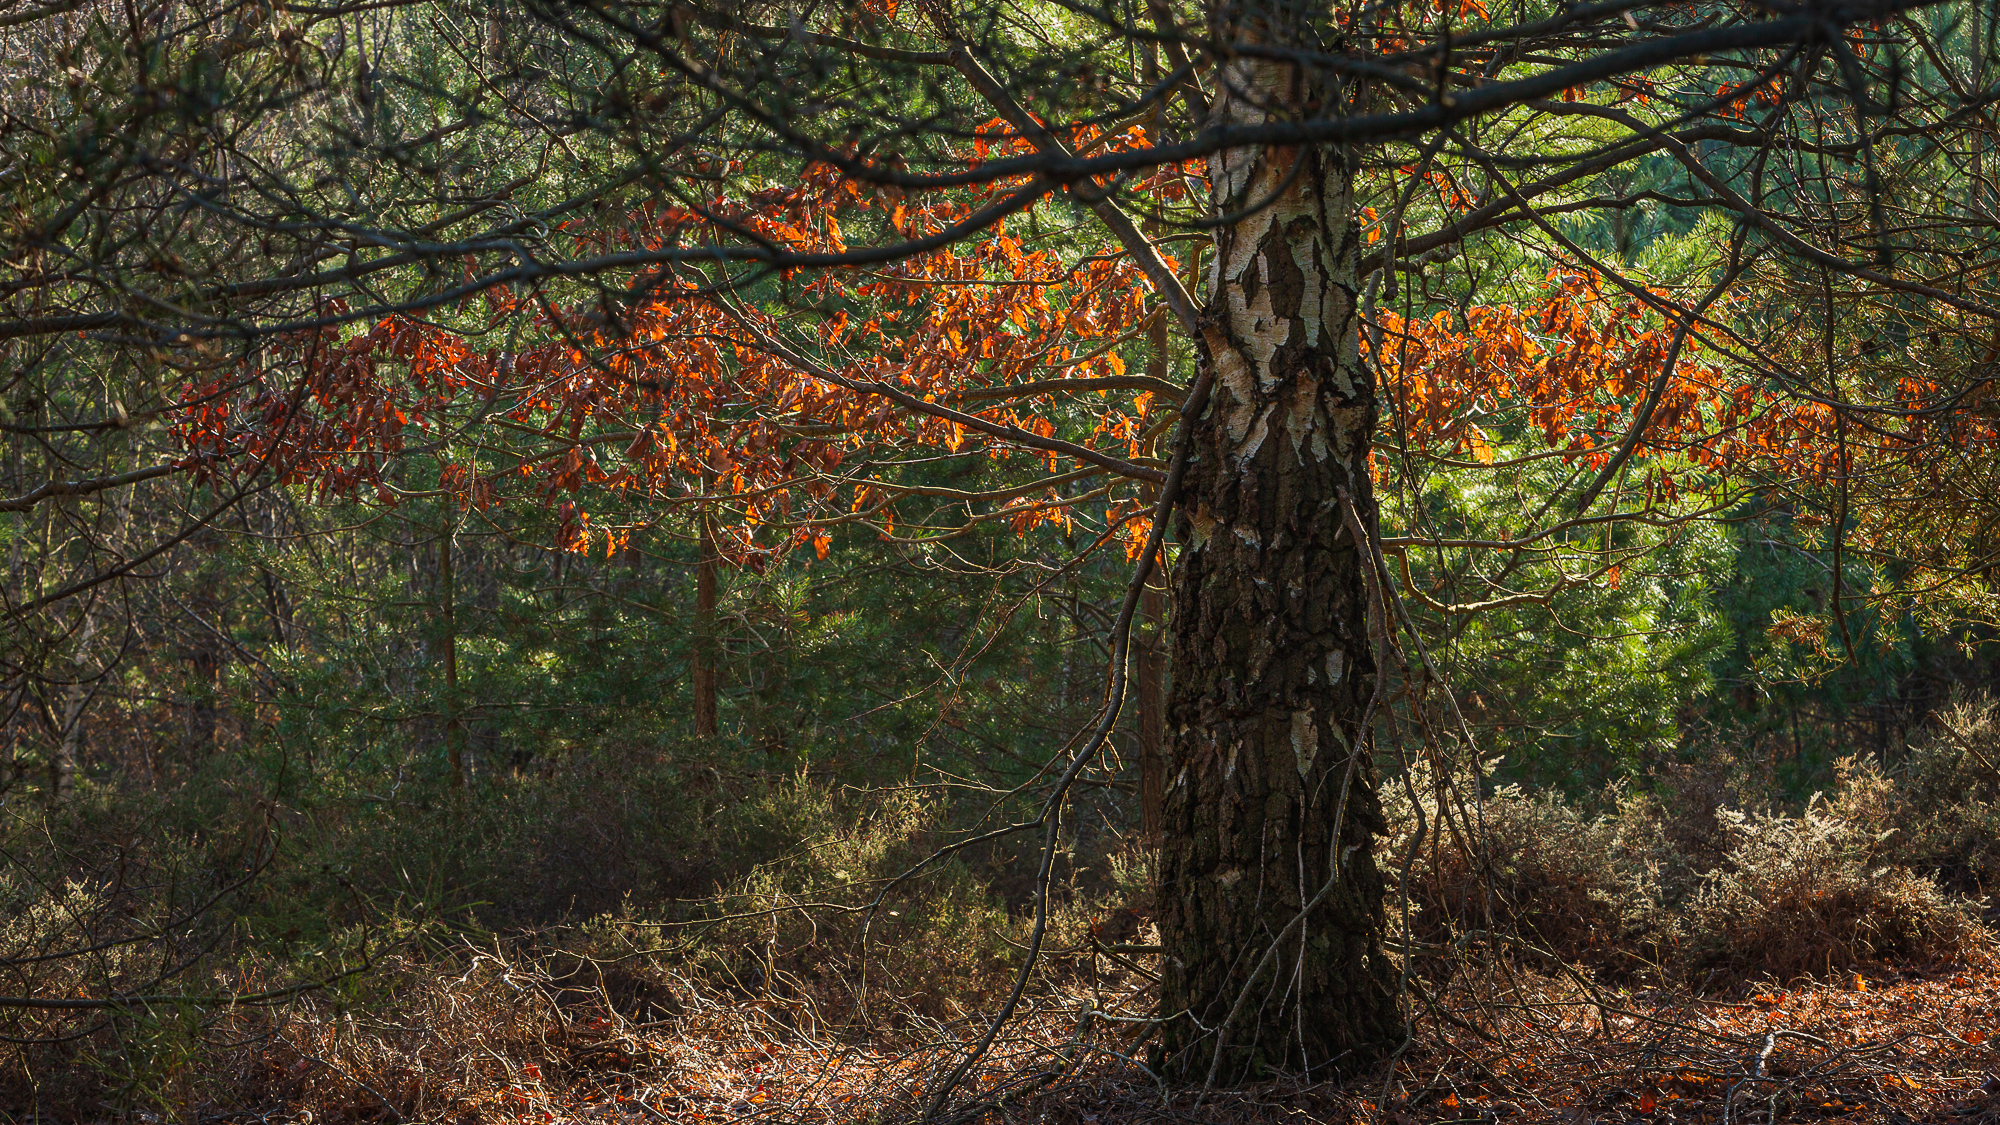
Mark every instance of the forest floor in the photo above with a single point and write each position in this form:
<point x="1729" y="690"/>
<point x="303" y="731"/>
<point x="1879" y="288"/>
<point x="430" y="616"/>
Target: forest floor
<point x="1889" y="1045"/>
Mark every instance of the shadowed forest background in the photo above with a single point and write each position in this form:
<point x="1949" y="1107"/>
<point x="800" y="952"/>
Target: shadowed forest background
<point x="541" y="587"/>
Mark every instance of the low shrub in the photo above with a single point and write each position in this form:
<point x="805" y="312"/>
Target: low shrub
<point x="1698" y="879"/>
<point x="1947" y="799"/>
<point x="937" y="941"/>
<point x="1539" y="867"/>
<point x="1801" y="895"/>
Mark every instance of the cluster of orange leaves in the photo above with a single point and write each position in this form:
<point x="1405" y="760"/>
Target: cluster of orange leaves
<point x="1736" y="98"/>
<point x="672" y="397"/>
<point x="1572" y="371"/>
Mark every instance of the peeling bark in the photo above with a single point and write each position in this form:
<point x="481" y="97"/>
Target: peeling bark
<point x="1272" y="665"/>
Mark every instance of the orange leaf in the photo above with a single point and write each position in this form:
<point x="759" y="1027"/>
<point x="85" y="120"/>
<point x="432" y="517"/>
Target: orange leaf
<point x="1482" y="449"/>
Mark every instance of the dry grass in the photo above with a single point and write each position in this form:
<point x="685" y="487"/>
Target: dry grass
<point x="762" y="1015"/>
<point x="485" y="1040"/>
<point x="1884" y="1045"/>
<point x="480" y="1038"/>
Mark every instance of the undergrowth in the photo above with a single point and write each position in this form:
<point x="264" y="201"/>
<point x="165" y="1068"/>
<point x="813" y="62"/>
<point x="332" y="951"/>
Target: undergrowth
<point x="1706" y="880"/>
<point x="570" y="929"/>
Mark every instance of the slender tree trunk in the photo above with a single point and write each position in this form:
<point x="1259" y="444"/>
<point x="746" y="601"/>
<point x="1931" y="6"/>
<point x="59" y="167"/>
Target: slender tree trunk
<point x="10" y="753"/>
<point x="69" y="748"/>
<point x="76" y="700"/>
<point x="205" y="656"/>
<point x="706" y="648"/>
<point x="1152" y="687"/>
<point x="454" y="722"/>
<point x="1272" y="662"/>
<point x="1151" y="665"/>
<point x="1151" y="669"/>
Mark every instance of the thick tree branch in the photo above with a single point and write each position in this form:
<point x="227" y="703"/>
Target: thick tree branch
<point x="59" y="488"/>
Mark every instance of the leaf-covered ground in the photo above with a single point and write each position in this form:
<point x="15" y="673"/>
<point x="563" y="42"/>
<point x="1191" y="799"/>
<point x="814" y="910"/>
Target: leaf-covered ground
<point x="499" y="1043"/>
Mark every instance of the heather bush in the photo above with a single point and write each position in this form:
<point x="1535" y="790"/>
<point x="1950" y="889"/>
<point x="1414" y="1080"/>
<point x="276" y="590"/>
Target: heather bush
<point x="1947" y="799"/>
<point x="152" y="917"/>
<point x="799" y="923"/>
<point x="1697" y="877"/>
<point x="1801" y="895"/>
<point x="1689" y="804"/>
<point x="1537" y="866"/>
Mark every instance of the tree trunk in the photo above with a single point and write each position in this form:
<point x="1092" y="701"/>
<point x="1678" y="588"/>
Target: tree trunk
<point x="707" y="651"/>
<point x="69" y="748"/>
<point x="1151" y="663"/>
<point x="1272" y="659"/>
<point x="205" y="655"/>
<point x="454" y="723"/>
<point x="76" y="700"/>
<point x="1151" y="677"/>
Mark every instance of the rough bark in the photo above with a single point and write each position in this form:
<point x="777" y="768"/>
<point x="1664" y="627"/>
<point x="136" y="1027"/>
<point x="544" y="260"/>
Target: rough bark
<point x="1272" y="665"/>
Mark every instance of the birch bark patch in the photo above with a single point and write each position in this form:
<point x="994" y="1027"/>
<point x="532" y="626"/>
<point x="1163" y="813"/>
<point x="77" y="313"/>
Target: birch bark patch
<point x="1231" y="370"/>
<point x="1246" y="241"/>
<point x="1252" y="439"/>
<point x="1305" y="255"/>
<point x="1305" y="741"/>
<point x="1260" y="328"/>
<point x="1203" y="524"/>
<point x="1300" y="420"/>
